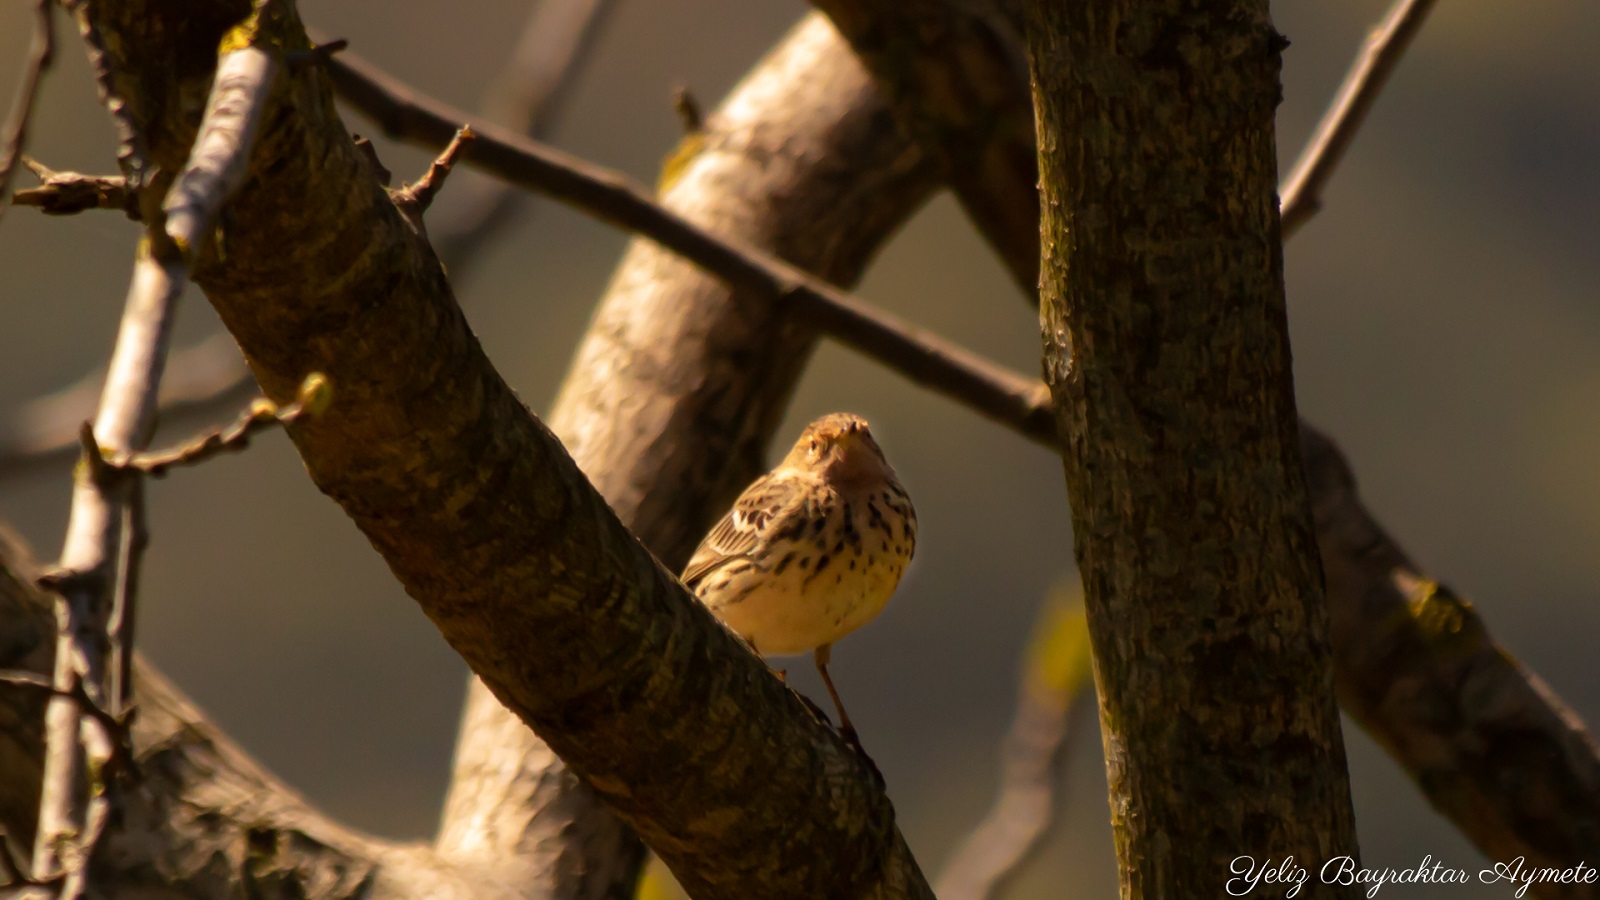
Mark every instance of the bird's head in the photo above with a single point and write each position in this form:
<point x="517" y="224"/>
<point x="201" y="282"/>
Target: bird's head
<point x="838" y="446"/>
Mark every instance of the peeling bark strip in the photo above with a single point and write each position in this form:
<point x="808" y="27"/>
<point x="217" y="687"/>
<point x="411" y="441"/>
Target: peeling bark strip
<point x="1167" y="353"/>
<point x="486" y="520"/>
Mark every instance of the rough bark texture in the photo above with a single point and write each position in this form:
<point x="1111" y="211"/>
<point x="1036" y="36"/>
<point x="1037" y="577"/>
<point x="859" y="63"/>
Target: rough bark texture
<point x="680" y="382"/>
<point x="486" y="520"/>
<point x="1487" y="744"/>
<point x="949" y="70"/>
<point x="1167" y="353"/>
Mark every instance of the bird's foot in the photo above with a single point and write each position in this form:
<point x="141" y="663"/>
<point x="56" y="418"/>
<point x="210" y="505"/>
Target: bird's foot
<point x="853" y="741"/>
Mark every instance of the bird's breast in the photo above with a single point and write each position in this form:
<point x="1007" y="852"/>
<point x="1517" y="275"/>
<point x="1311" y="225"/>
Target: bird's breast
<point x="812" y="585"/>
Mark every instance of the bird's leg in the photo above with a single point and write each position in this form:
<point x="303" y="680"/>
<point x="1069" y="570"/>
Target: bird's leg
<point x="846" y="730"/>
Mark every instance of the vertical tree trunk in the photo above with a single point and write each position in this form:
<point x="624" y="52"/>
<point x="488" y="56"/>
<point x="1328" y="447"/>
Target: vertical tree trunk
<point x="1167" y="352"/>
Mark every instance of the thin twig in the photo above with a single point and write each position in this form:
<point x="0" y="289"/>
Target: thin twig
<point x="405" y="114"/>
<point x="688" y="110"/>
<point x="15" y="141"/>
<point x="120" y="632"/>
<point x="1380" y="54"/>
<point x="69" y="193"/>
<point x="558" y="39"/>
<point x="415" y="198"/>
<point x="205" y="376"/>
<point x="119" y="727"/>
<point x="315" y="394"/>
<point x="216" y="167"/>
<point x="11" y="868"/>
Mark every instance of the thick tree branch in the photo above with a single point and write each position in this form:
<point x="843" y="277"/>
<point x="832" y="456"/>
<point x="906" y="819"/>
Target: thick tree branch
<point x="947" y="69"/>
<point x="1302" y="191"/>
<point x="804" y="160"/>
<point x="1390" y="676"/>
<point x="1166" y="349"/>
<point x="471" y="501"/>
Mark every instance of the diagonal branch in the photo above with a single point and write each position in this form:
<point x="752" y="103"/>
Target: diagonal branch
<point x="472" y="501"/>
<point x="801" y="159"/>
<point x="406" y="114"/>
<point x="14" y="141"/>
<point x="1302" y="191"/>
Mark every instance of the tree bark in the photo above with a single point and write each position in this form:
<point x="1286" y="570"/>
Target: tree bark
<point x="1167" y="354"/>
<point x="486" y="520"/>
<point x="949" y="70"/>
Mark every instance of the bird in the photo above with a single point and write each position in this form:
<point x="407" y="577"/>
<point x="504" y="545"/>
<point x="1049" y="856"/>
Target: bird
<point x="810" y="551"/>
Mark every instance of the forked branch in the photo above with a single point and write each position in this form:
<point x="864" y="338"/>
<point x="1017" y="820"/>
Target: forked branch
<point x="86" y="576"/>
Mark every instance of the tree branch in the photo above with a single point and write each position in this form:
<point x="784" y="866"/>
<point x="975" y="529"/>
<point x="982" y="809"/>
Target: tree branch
<point x="605" y="655"/>
<point x="405" y="114"/>
<point x="69" y="193"/>
<point x="204" y="376"/>
<point x="804" y="160"/>
<point x="1302" y="192"/>
<point x="947" y="69"/>
<point x="123" y="424"/>
<point x="15" y="139"/>
<point x="1390" y="675"/>
<point x="1166" y="348"/>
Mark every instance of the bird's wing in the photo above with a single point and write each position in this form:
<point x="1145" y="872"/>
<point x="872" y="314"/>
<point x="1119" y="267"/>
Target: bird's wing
<point x="742" y="530"/>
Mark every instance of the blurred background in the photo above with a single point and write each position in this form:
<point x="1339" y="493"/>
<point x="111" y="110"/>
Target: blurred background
<point x="1446" y="333"/>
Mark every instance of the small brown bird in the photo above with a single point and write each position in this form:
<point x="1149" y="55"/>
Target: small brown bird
<point x="812" y="550"/>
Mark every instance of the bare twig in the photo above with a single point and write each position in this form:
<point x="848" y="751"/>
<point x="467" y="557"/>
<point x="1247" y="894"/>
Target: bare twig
<point x="315" y="395"/>
<point x="120" y="632"/>
<point x="1302" y="191"/>
<point x="688" y="110"/>
<point x="204" y="376"/>
<point x="16" y="135"/>
<point x="415" y="198"/>
<point x="611" y="196"/>
<point x="11" y="869"/>
<point x="216" y="166"/>
<point x="116" y="726"/>
<point x="1054" y="704"/>
<point x="68" y="193"/>
<point x="557" y="40"/>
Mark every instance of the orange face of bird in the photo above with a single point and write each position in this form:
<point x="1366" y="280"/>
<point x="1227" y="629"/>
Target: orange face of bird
<point x="840" y="446"/>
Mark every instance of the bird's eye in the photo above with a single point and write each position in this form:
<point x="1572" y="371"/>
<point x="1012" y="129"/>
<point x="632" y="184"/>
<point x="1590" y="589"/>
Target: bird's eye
<point x="813" y="445"/>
